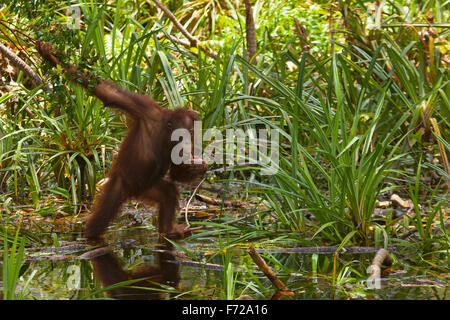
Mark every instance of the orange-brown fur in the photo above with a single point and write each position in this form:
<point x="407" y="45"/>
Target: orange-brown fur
<point x="144" y="157"/>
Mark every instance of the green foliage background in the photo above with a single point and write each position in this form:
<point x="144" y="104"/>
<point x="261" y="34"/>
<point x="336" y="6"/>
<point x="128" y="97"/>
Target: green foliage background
<point x="363" y="113"/>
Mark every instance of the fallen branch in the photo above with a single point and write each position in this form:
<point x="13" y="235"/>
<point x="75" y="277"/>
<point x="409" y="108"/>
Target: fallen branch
<point x="207" y="266"/>
<point x="382" y="258"/>
<point x="190" y="185"/>
<point x="383" y="204"/>
<point x="414" y="230"/>
<point x="395" y="198"/>
<point x="323" y="250"/>
<point x="265" y="268"/>
<point x="217" y="202"/>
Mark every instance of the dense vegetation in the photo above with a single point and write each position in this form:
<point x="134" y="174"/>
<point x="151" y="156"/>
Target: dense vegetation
<point x="358" y="92"/>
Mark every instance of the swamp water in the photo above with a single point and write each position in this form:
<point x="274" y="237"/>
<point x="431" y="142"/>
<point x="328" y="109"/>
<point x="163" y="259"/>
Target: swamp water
<point x="74" y="271"/>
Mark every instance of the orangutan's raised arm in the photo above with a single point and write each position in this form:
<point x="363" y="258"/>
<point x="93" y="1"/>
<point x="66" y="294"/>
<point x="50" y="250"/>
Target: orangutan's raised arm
<point x="112" y="95"/>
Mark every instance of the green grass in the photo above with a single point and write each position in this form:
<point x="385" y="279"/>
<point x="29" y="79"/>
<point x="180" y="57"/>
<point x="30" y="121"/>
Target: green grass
<point x="13" y="257"/>
<point x="354" y="125"/>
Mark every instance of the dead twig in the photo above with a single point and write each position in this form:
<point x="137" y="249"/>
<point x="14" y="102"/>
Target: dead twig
<point x="265" y="268"/>
<point x="193" y="42"/>
<point x="189" y="201"/>
<point x="217" y="202"/>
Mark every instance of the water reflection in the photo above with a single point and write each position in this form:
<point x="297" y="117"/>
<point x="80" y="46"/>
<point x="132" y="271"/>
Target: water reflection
<point x="109" y="271"/>
<point x="67" y="272"/>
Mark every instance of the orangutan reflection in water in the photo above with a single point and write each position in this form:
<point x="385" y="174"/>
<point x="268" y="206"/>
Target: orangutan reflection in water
<point x="108" y="270"/>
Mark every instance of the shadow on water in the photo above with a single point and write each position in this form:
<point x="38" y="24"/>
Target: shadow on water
<point x="144" y="279"/>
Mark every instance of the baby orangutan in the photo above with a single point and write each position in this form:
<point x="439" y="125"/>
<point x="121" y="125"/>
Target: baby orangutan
<point x="144" y="157"/>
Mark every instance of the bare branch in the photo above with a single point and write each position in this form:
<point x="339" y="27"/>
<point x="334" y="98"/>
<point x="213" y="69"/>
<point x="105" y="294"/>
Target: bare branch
<point x="177" y="24"/>
<point x="302" y="35"/>
<point x="19" y="63"/>
<point x="251" y="33"/>
<point x="193" y="42"/>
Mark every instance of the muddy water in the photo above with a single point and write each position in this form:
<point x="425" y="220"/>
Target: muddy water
<point x="73" y="271"/>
